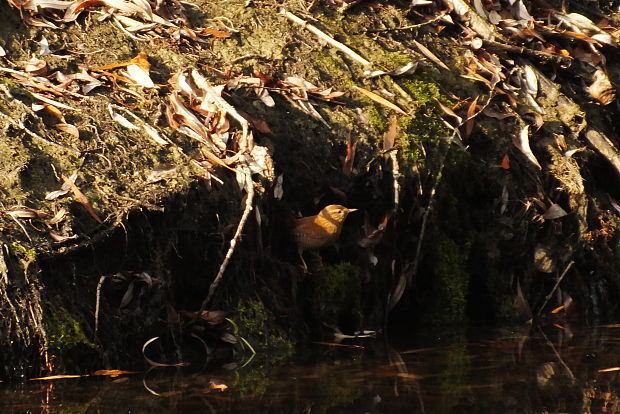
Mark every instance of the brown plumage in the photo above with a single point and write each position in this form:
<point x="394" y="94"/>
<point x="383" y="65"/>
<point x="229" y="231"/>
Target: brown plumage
<point x="322" y="230"/>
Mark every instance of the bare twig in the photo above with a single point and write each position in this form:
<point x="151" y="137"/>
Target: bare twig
<point x="557" y="283"/>
<point x="249" y="187"/>
<point x="558" y="356"/>
<point x="322" y="35"/>
<point x="541" y="56"/>
<point x="408" y="27"/>
<point x="20" y="125"/>
<point x="97" y="302"/>
<point x="451" y="139"/>
<point x="347" y="6"/>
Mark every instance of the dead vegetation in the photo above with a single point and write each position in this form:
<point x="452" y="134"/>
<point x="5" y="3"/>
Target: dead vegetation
<point x="388" y="108"/>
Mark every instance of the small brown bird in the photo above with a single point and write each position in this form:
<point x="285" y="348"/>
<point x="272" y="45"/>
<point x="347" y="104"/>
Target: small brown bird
<point x="322" y="230"/>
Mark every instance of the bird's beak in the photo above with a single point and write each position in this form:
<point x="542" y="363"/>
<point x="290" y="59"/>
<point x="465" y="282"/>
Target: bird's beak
<point x="351" y="210"/>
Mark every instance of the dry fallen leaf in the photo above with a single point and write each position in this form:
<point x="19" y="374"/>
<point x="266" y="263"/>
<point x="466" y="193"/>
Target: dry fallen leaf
<point x="81" y="198"/>
<point x="380" y="100"/>
<point x="602" y="89"/>
<point x="522" y="142"/>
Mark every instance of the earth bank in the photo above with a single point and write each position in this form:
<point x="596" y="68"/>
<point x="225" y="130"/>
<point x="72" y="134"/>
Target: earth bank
<point x="448" y="230"/>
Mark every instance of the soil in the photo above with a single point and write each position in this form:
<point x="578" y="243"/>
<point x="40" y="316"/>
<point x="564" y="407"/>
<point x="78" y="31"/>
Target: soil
<point x="447" y="232"/>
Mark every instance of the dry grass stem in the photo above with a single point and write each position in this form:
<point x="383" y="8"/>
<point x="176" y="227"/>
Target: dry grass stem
<point x="322" y="35"/>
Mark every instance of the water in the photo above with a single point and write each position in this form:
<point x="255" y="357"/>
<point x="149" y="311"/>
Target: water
<point x="550" y="370"/>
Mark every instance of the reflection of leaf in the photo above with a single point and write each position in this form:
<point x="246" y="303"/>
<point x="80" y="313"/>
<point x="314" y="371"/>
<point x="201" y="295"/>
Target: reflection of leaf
<point x="112" y="372"/>
<point x="404" y="279"/>
<point x="55" y="377"/>
<point x="158" y="364"/>
<point x="521" y="305"/>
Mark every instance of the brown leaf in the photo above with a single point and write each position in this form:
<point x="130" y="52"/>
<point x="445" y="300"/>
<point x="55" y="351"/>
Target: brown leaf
<point x="27" y="213"/>
<point x="505" y="162"/>
<point x="389" y="138"/>
<point x="81" y="198"/>
<point x="430" y="55"/>
<point x="450" y="112"/>
<point x="601" y="89"/>
<point x="471" y="111"/>
<point x="347" y="165"/>
<point x="220" y="34"/>
<point x="55" y="112"/>
<point x="522" y="142"/>
<point x="36" y="67"/>
<point x="379" y="99"/>
<point x="68" y="128"/>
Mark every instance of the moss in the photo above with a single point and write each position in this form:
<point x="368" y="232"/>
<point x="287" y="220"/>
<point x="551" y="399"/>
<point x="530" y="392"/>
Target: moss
<point x="455" y="375"/>
<point x="258" y="326"/>
<point x="339" y="292"/>
<point x="252" y="383"/>
<point x="63" y="330"/>
<point x="252" y="318"/>
<point x="339" y="391"/>
<point x="418" y="131"/>
<point x="451" y="282"/>
<point x="377" y="118"/>
<point x="423" y="88"/>
<point x="26" y="256"/>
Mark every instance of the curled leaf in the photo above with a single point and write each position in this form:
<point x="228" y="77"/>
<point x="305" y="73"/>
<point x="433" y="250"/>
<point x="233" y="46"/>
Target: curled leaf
<point x="522" y="142"/>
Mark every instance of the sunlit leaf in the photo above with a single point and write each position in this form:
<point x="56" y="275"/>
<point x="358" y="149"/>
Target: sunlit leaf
<point x="612" y="369"/>
<point x="220" y="34"/>
<point x="379" y="99"/>
<point x="53" y="102"/>
<point x="471" y="111"/>
<point x="558" y="309"/>
<point x="120" y="119"/>
<point x="68" y="128"/>
<point x="449" y="112"/>
<point x="522" y="142"/>
<point x="139" y="76"/>
<point x="36" y="66"/>
<point x="602" y="89"/>
<point x="430" y="55"/>
<point x="81" y="198"/>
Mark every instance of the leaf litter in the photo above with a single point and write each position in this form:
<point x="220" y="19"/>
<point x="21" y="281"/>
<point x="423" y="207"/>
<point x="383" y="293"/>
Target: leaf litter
<point x="197" y="107"/>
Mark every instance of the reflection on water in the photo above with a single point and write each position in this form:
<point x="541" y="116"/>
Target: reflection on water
<point x="533" y="371"/>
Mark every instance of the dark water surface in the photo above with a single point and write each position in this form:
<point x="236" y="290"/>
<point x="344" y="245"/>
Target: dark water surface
<point x="530" y="370"/>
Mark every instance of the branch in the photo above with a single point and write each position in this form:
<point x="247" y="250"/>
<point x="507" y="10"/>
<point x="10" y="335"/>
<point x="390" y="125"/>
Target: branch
<point x="249" y="187"/>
